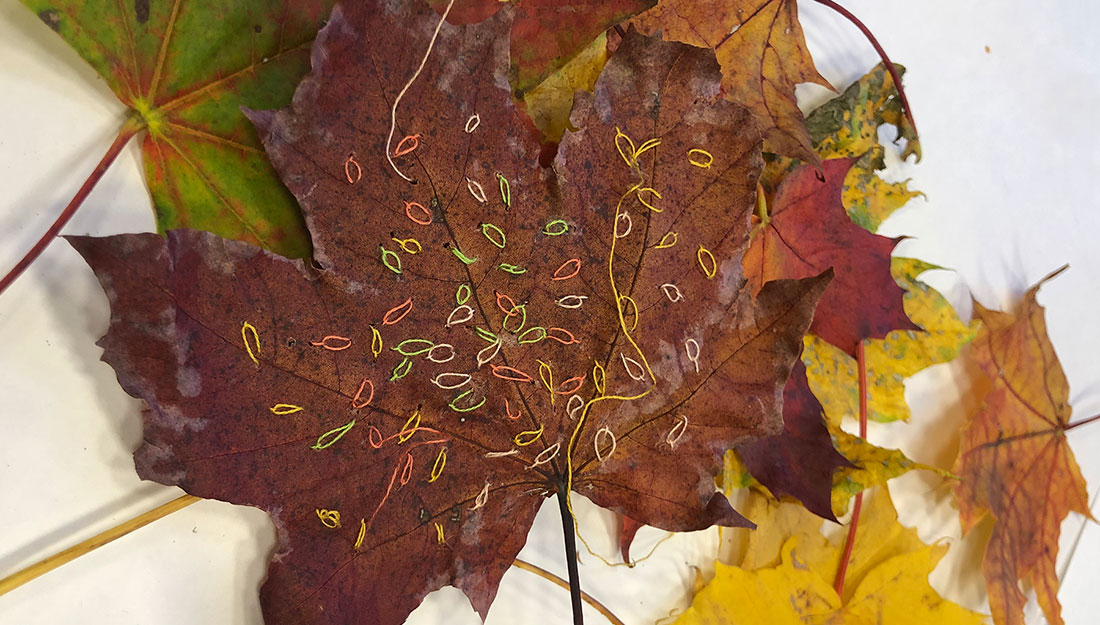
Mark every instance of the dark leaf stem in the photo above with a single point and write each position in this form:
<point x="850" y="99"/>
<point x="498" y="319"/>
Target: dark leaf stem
<point x="882" y="55"/>
<point x="128" y="130"/>
<point x="570" y="554"/>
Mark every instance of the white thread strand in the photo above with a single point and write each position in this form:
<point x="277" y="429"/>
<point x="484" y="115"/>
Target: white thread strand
<point x="572" y="301"/>
<point x="677" y="432"/>
<point x="475" y="190"/>
<point x="502" y="454"/>
<point x="482" y="359"/>
<point x="440" y="380"/>
<point x="393" y="111"/>
<point x="596" y="443"/>
<point x="453" y="321"/>
<point x="473" y="123"/>
<point x="633" y="366"/>
<point x="482" y="497"/>
<point x="438" y="359"/>
<point x="690" y="346"/>
<point x="629" y="225"/>
<point x="547" y="455"/>
<point x="672" y="292"/>
<point x="574" y="405"/>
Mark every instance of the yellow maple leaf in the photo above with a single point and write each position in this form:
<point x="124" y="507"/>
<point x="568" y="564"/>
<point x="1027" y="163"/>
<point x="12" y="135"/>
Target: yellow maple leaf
<point x="787" y="574"/>
<point x="549" y="104"/>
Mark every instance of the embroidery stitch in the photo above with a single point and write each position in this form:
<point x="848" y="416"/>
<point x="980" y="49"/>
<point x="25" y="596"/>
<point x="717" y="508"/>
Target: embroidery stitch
<point x="474" y="187"/>
<point x="441" y="380"/>
<point x="526" y="438"/>
<point x="700" y="162"/>
<point x="424" y="221"/>
<point x="418" y="346"/>
<point x="390" y="259"/>
<point x="362" y="534"/>
<point x="397" y="313"/>
<point x="510" y="374"/>
<point x="566" y="339"/>
<point x="703" y="256"/>
<point x="281" y="409"/>
<point x="596" y="443"/>
<point x="472" y="123"/>
<point x="328" y="439"/>
<point x="571" y="301"/>
<point x="667" y="241"/>
<point x="677" y="432"/>
<point x="691" y="347"/>
<point x="347" y="169"/>
<point x="555" y="228"/>
<point x="245" y="329"/>
<point x="375" y="341"/>
<point x="329" y="518"/>
<point x="440" y="462"/>
<point x="406" y="145"/>
<point x="672" y="292"/>
<point x="467" y="314"/>
<point x="432" y="356"/>
<point x="453" y="404"/>
<point x="573" y="263"/>
<point x="333" y="343"/>
<point x="355" y="403"/>
<point x="466" y="260"/>
<point x="497" y="237"/>
<point x="409" y="246"/>
<point x="401" y="370"/>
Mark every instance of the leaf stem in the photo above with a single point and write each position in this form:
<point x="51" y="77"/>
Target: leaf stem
<point x="850" y="540"/>
<point x="131" y="127"/>
<point x="543" y="573"/>
<point x="42" y="567"/>
<point x="882" y="55"/>
<point x="1081" y="422"/>
<point x="570" y="553"/>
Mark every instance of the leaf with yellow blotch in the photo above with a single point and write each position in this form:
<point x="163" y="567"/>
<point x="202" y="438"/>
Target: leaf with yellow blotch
<point x="833" y="373"/>
<point x="763" y="54"/>
<point x="1014" y="461"/>
<point x="872" y="466"/>
<point x="548" y="105"/>
<point x="789" y="581"/>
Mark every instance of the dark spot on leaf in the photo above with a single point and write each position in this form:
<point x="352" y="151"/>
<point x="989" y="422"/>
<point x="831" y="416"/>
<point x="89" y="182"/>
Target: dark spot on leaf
<point x="141" y="11"/>
<point x="257" y="29"/>
<point x="51" y="18"/>
<point x="424" y="515"/>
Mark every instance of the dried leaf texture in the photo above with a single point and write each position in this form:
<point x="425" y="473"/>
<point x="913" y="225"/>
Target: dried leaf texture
<point x="808" y="231"/>
<point x="186" y="69"/>
<point x="1015" y="462"/>
<point x="763" y="54"/>
<point x="473" y="340"/>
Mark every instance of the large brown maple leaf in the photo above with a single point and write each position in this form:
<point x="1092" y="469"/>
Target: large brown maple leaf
<point x="1014" y="461"/>
<point x="474" y="333"/>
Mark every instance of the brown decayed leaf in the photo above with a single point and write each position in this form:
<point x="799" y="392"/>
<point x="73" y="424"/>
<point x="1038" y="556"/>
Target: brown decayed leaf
<point x="808" y="231"/>
<point x="350" y="401"/>
<point x="763" y="54"/>
<point x="1015" y="462"/>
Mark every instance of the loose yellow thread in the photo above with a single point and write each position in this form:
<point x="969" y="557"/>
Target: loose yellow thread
<point x="494" y="234"/>
<point x="281" y="409"/>
<point x="540" y="334"/>
<point x="556" y="228"/>
<point x="505" y="190"/>
<point x="247" y="328"/>
<point x="599" y="377"/>
<point x="329" y="518"/>
<point x="409" y="246"/>
<point x="409" y="428"/>
<point x="645" y="147"/>
<point x="668" y="240"/>
<point x="627" y="154"/>
<point x="520" y="311"/>
<point x="401" y="370"/>
<point x="546" y="374"/>
<point x="453" y="404"/>
<point x="437" y="468"/>
<point x="413" y="347"/>
<point x="526" y="438"/>
<point x="439" y="533"/>
<point x="464" y="258"/>
<point x="462" y="295"/>
<point x="362" y="534"/>
<point x="515" y="270"/>
<point x="626" y="299"/>
<point x="705" y="162"/>
<point x="328" y="439"/>
<point x="705" y="257"/>
<point x="390" y="259"/>
<point x="648" y="201"/>
<point x="375" y="341"/>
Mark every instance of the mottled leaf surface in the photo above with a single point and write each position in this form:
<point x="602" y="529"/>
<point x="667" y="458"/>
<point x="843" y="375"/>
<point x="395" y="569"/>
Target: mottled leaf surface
<point x="468" y="342"/>
<point x="1015" y="462"/>
<point x="185" y="69"/>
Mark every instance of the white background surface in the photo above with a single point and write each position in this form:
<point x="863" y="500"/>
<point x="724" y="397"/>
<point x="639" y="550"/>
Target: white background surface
<point x="1011" y="159"/>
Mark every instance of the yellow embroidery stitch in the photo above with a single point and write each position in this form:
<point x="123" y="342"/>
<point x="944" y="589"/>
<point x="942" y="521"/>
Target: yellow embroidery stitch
<point x="409" y="246"/>
<point x="329" y="518"/>
<point x="706" y="258"/>
<point x="362" y="534"/>
<point x="705" y="162"/>
<point x="409" y="428"/>
<point x="247" y="328"/>
<point x="437" y="468"/>
<point x="668" y="240"/>
<point x="526" y="438"/>
<point x="282" y="409"/>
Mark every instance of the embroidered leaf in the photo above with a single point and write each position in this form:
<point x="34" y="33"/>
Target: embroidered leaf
<point x="787" y="572"/>
<point x="808" y="231"/>
<point x="1015" y="462"/>
<point x="185" y="69"/>
<point x="763" y="54"/>
<point x="546" y="34"/>
<point x="475" y="339"/>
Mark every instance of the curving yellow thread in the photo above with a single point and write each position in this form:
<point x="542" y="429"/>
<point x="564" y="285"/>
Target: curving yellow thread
<point x="409" y="428"/>
<point x="526" y="438"/>
<point x="494" y="234"/>
<point x="546" y="374"/>
<point x="439" y="534"/>
<point x="401" y="370"/>
<point x="246" y="329"/>
<point x="285" y="409"/>
<point x="627" y="154"/>
<point x="437" y="468"/>
<point x="668" y="240"/>
<point x="706" y="160"/>
<point x="452" y="405"/>
<point x="645" y="147"/>
<point x="648" y="201"/>
<point x="409" y="246"/>
<point x="599" y="377"/>
<point x="329" y="518"/>
<point x="486" y="335"/>
<point x="375" y="341"/>
<point x="634" y="305"/>
<point x="515" y="270"/>
<point x="390" y="259"/>
<point x="540" y="334"/>
<point x="362" y="534"/>
<point x="413" y="347"/>
<point x="519" y="310"/>
<point x="462" y="295"/>
<point x="505" y="190"/>
<point x="556" y="228"/>
<point x="328" y="439"/>
<point x="705" y="257"/>
<point x="464" y="258"/>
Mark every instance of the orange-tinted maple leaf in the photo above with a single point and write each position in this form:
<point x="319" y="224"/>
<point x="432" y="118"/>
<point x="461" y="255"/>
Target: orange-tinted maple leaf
<point x="809" y="231"/>
<point x="763" y="55"/>
<point x="1015" y="463"/>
